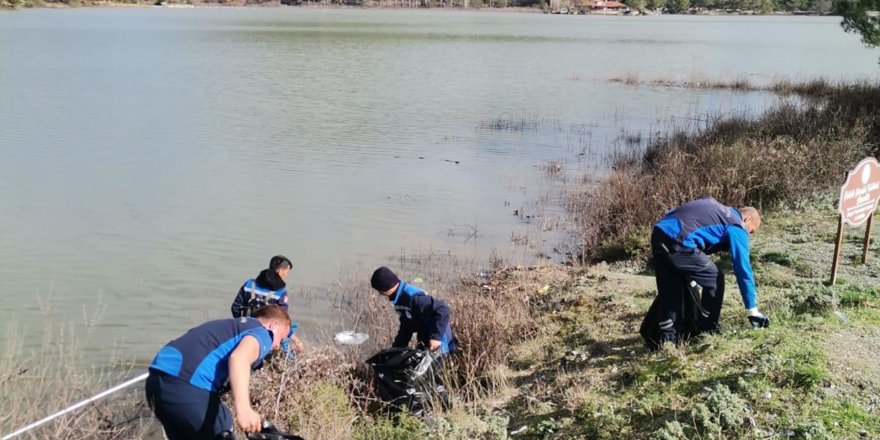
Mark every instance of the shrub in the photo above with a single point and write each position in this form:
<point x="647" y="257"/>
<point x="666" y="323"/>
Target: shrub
<point x="671" y="431"/>
<point x="811" y="431"/>
<point x="815" y="300"/>
<point x="722" y="412"/>
<point x="317" y="396"/>
<point x="858" y="295"/>
<point x="385" y="428"/>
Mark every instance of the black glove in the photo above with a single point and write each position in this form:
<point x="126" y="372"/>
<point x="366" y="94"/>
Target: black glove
<point x="758" y="319"/>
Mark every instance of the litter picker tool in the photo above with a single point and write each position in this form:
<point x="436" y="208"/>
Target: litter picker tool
<point x="77" y="405"/>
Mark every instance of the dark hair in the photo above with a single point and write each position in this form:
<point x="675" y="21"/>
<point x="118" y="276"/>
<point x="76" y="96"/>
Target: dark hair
<point x="272" y="311"/>
<point x="279" y="262"/>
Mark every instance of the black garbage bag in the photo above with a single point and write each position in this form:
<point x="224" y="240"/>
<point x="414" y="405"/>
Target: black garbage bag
<point x="687" y="324"/>
<point x="409" y="378"/>
<point x="270" y="432"/>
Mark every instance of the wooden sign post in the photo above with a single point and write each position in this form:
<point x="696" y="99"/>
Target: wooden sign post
<point x="858" y="201"/>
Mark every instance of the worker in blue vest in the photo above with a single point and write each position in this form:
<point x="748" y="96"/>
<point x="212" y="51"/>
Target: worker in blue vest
<point x="681" y="243"/>
<point x="419" y="313"/>
<point x="188" y="374"/>
<point x="268" y="288"/>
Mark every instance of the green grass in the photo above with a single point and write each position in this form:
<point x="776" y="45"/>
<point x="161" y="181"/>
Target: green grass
<point x="388" y="428"/>
<point x="859" y="295"/>
<point x="781" y="382"/>
<point x="844" y="417"/>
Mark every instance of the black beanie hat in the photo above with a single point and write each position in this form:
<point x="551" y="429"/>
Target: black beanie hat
<point x="383" y="279"/>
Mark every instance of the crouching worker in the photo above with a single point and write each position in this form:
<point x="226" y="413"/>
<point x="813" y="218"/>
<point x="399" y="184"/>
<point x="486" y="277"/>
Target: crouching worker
<point x="188" y="374"/>
<point x="680" y="244"/>
<point x="268" y="288"/>
<point x="428" y="318"/>
<point x="419" y="313"/>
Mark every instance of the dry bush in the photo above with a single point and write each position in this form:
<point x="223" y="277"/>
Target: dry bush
<point x="486" y="317"/>
<point x="786" y="155"/>
<point x="319" y="395"/>
<point x="489" y="317"/>
<point x="327" y="394"/>
<point x="490" y="313"/>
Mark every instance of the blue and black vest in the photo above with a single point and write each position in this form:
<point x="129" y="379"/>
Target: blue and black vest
<point x="201" y="356"/>
<point x="424" y="326"/>
<point x="701" y="224"/>
<point x="403" y="298"/>
<point x="260" y="297"/>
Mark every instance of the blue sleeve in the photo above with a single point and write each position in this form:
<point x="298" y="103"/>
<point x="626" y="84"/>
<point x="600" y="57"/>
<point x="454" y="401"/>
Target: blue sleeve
<point x="436" y="310"/>
<point x="239" y="305"/>
<point x="739" y="253"/>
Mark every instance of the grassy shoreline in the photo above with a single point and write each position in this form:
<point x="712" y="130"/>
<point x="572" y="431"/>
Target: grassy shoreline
<point x="579" y="369"/>
<point x="803" y="378"/>
<point x="552" y="351"/>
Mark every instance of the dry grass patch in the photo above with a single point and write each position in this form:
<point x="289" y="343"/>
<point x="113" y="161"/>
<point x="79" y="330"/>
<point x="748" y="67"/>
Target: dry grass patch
<point x="782" y="158"/>
<point x="35" y="384"/>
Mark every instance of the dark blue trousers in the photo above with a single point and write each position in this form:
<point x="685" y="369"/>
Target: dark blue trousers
<point x="186" y="412"/>
<point x="673" y="271"/>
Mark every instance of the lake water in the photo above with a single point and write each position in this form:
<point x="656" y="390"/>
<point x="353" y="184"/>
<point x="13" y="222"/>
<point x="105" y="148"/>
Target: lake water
<point x="153" y="159"/>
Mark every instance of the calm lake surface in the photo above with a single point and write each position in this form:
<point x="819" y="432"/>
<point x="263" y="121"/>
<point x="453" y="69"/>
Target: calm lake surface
<point x="153" y="159"/>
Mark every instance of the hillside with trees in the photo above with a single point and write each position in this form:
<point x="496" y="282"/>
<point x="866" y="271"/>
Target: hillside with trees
<point x="654" y="6"/>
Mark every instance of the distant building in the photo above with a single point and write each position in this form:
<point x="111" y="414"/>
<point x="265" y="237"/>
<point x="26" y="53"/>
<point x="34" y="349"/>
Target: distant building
<point x="608" y="7"/>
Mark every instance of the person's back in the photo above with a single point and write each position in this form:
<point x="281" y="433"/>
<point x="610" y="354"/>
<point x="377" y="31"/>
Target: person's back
<point x="701" y="224"/>
<point x="198" y="357"/>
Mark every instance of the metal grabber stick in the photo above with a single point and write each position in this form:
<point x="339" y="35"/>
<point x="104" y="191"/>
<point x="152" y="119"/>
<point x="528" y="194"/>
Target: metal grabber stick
<point x="77" y="405"/>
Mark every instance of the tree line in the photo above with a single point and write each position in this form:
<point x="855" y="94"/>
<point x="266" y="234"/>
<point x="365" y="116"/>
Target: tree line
<point x="668" y="6"/>
<point x="756" y="6"/>
<point x="859" y="16"/>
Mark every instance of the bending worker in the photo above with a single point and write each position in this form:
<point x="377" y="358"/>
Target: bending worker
<point x="419" y="313"/>
<point x="680" y="244"/>
<point x="268" y="288"/>
<point x="188" y="374"/>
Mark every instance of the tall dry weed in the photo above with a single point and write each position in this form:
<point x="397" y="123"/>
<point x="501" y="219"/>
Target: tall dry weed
<point x="327" y="393"/>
